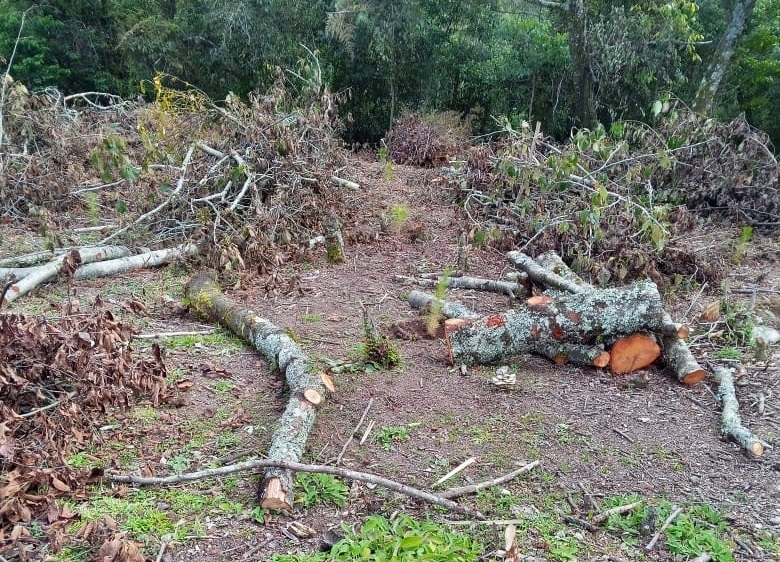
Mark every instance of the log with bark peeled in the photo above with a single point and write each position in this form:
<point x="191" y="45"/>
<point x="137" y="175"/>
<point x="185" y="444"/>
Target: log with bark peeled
<point x="307" y="388"/>
<point x="731" y="423"/>
<point x="580" y="319"/>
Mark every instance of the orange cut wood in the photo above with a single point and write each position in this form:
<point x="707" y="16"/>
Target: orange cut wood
<point x="634" y="352"/>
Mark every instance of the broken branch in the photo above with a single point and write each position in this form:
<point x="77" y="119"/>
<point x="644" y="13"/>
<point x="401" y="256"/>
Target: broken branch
<point x="731" y="423"/>
<point x="463" y="490"/>
<point x="298" y="467"/>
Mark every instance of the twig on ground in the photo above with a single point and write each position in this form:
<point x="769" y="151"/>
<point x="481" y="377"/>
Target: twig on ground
<point x="367" y="432"/>
<point x="731" y="423"/>
<point x="172" y="334"/>
<point x="672" y="516"/>
<point x="160" y="554"/>
<point x="589" y="497"/>
<point x="501" y="522"/>
<point x="463" y="490"/>
<point x="299" y="467"/>
<point x="607" y="513"/>
<point x="454" y="471"/>
<point x="54" y="404"/>
<point x="354" y="431"/>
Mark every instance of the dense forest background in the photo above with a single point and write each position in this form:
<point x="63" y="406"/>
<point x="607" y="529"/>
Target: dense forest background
<point x="567" y="64"/>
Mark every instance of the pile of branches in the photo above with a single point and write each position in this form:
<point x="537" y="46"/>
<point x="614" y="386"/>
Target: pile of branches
<point x="723" y="169"/>
<point x="426" y="140"/>
<point x="245" y="176"/>
<point x="56" y="375"/>
<point x="625" y="193"/>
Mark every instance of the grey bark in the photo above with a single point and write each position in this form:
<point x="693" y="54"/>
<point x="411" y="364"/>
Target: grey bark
<point x="731" y="422"/>
<point x="288" y="442"/>
<point x="719" y="64"/>
<point x="583" y="319"/>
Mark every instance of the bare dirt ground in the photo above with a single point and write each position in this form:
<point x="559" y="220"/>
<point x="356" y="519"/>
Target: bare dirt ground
<point x="660" y="442"/>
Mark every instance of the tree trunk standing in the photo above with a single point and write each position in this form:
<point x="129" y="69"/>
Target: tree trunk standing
<point x="716" y="70"/>
<point x="585" y="105"/>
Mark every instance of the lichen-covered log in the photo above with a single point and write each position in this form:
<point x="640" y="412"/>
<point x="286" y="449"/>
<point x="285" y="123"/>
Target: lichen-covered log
<point x="552" y="262"/>
<point x="584" y="355"/>
<point x="334" y="240"/>
<point x="682" y="361"/>
<point x="546" y="277"/>
<point x="731" y="422"/>
<point x="582" y="319"/>
<point x="307" y="388"/>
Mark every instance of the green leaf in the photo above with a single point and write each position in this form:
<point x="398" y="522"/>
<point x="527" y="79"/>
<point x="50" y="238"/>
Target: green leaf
<point x="658" y="105"/>
<point x="412" y="542"/>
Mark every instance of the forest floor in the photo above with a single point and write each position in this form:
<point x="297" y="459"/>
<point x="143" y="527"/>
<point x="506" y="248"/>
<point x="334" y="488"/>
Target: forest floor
<point x="660" y="443"/>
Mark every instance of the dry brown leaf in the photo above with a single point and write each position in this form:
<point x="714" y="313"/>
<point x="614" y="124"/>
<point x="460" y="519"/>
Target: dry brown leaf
<point x="711" y="313"/>
<point x="59" y="485"/>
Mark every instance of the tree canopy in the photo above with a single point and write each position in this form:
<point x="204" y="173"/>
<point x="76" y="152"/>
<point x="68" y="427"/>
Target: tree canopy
<point x="565" y="63"/>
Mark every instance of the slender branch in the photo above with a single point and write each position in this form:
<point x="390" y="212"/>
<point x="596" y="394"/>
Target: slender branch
<point x="672" y="516"/>
<point x="299" y="467"/>
<point x="607" y="513"/>
<point x="158" y="208"/>
<point x="354" y="431"/>
<point x="463" y="490"/>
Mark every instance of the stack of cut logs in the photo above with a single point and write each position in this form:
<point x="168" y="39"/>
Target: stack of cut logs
<point x="569" y="321"/>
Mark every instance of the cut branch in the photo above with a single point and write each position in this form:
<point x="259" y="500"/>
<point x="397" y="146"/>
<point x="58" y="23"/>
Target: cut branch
<point x="514" y="290"/>
<point x="544" y="276"/>
<point x="290" y="466"/>
<point x="53" y="267"/>
<point x="448" y="309"/>
<point x="580" y="319"/>
<point x="731" y="423"/>
<point x="306" y="386"/>
<point x="154" y="258"/>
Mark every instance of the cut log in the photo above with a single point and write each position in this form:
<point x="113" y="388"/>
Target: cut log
<point x="514" y="290"/>
<point x="51" y="268"/>
<point x="555" y="264"/>
<point x="154" y="258"/>
<point x="307" y="387"/>
<point x="449" y="309"/>
<point x="731" y="423"/>
<point x="682" y="361"/>
<point x="582" y="319"/>
<point x="634" y="352"/>
<point x="16" y="272"/>
<point x="583" y="355"/>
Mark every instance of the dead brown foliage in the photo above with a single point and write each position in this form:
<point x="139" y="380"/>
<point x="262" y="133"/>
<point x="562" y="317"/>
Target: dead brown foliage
<point x="56" y="375"/>
<point x="426" y="140"/>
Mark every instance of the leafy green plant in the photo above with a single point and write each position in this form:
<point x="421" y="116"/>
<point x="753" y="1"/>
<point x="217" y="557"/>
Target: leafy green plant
<point x="222" y="386"/>
<point x="727" y="352"/>
<point x="319" y="489"/>
<point x="738" y="320"/>
<point x="434" y="316"/>
<point x="399" y="216"/>
<point x="741" y="245"/>
<point x="700" y="529"/>
<point x="92" y="207"/>
<point x="405" y="539"/>
<point x="378" y="349"/>
<point x="387" y="162"/>
<point x="111" y="161"/>
<point x="390" y="435"/>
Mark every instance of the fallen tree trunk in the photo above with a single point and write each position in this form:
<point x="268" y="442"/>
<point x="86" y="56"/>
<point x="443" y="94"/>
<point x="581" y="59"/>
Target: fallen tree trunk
<point x="731" y="423"/>
<point x="54" y="266"/>
<point x="16" y="272"/>
<point x="307" y="388"/>
<point x="139" y="261"/>
<point x="581" y="319"/>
